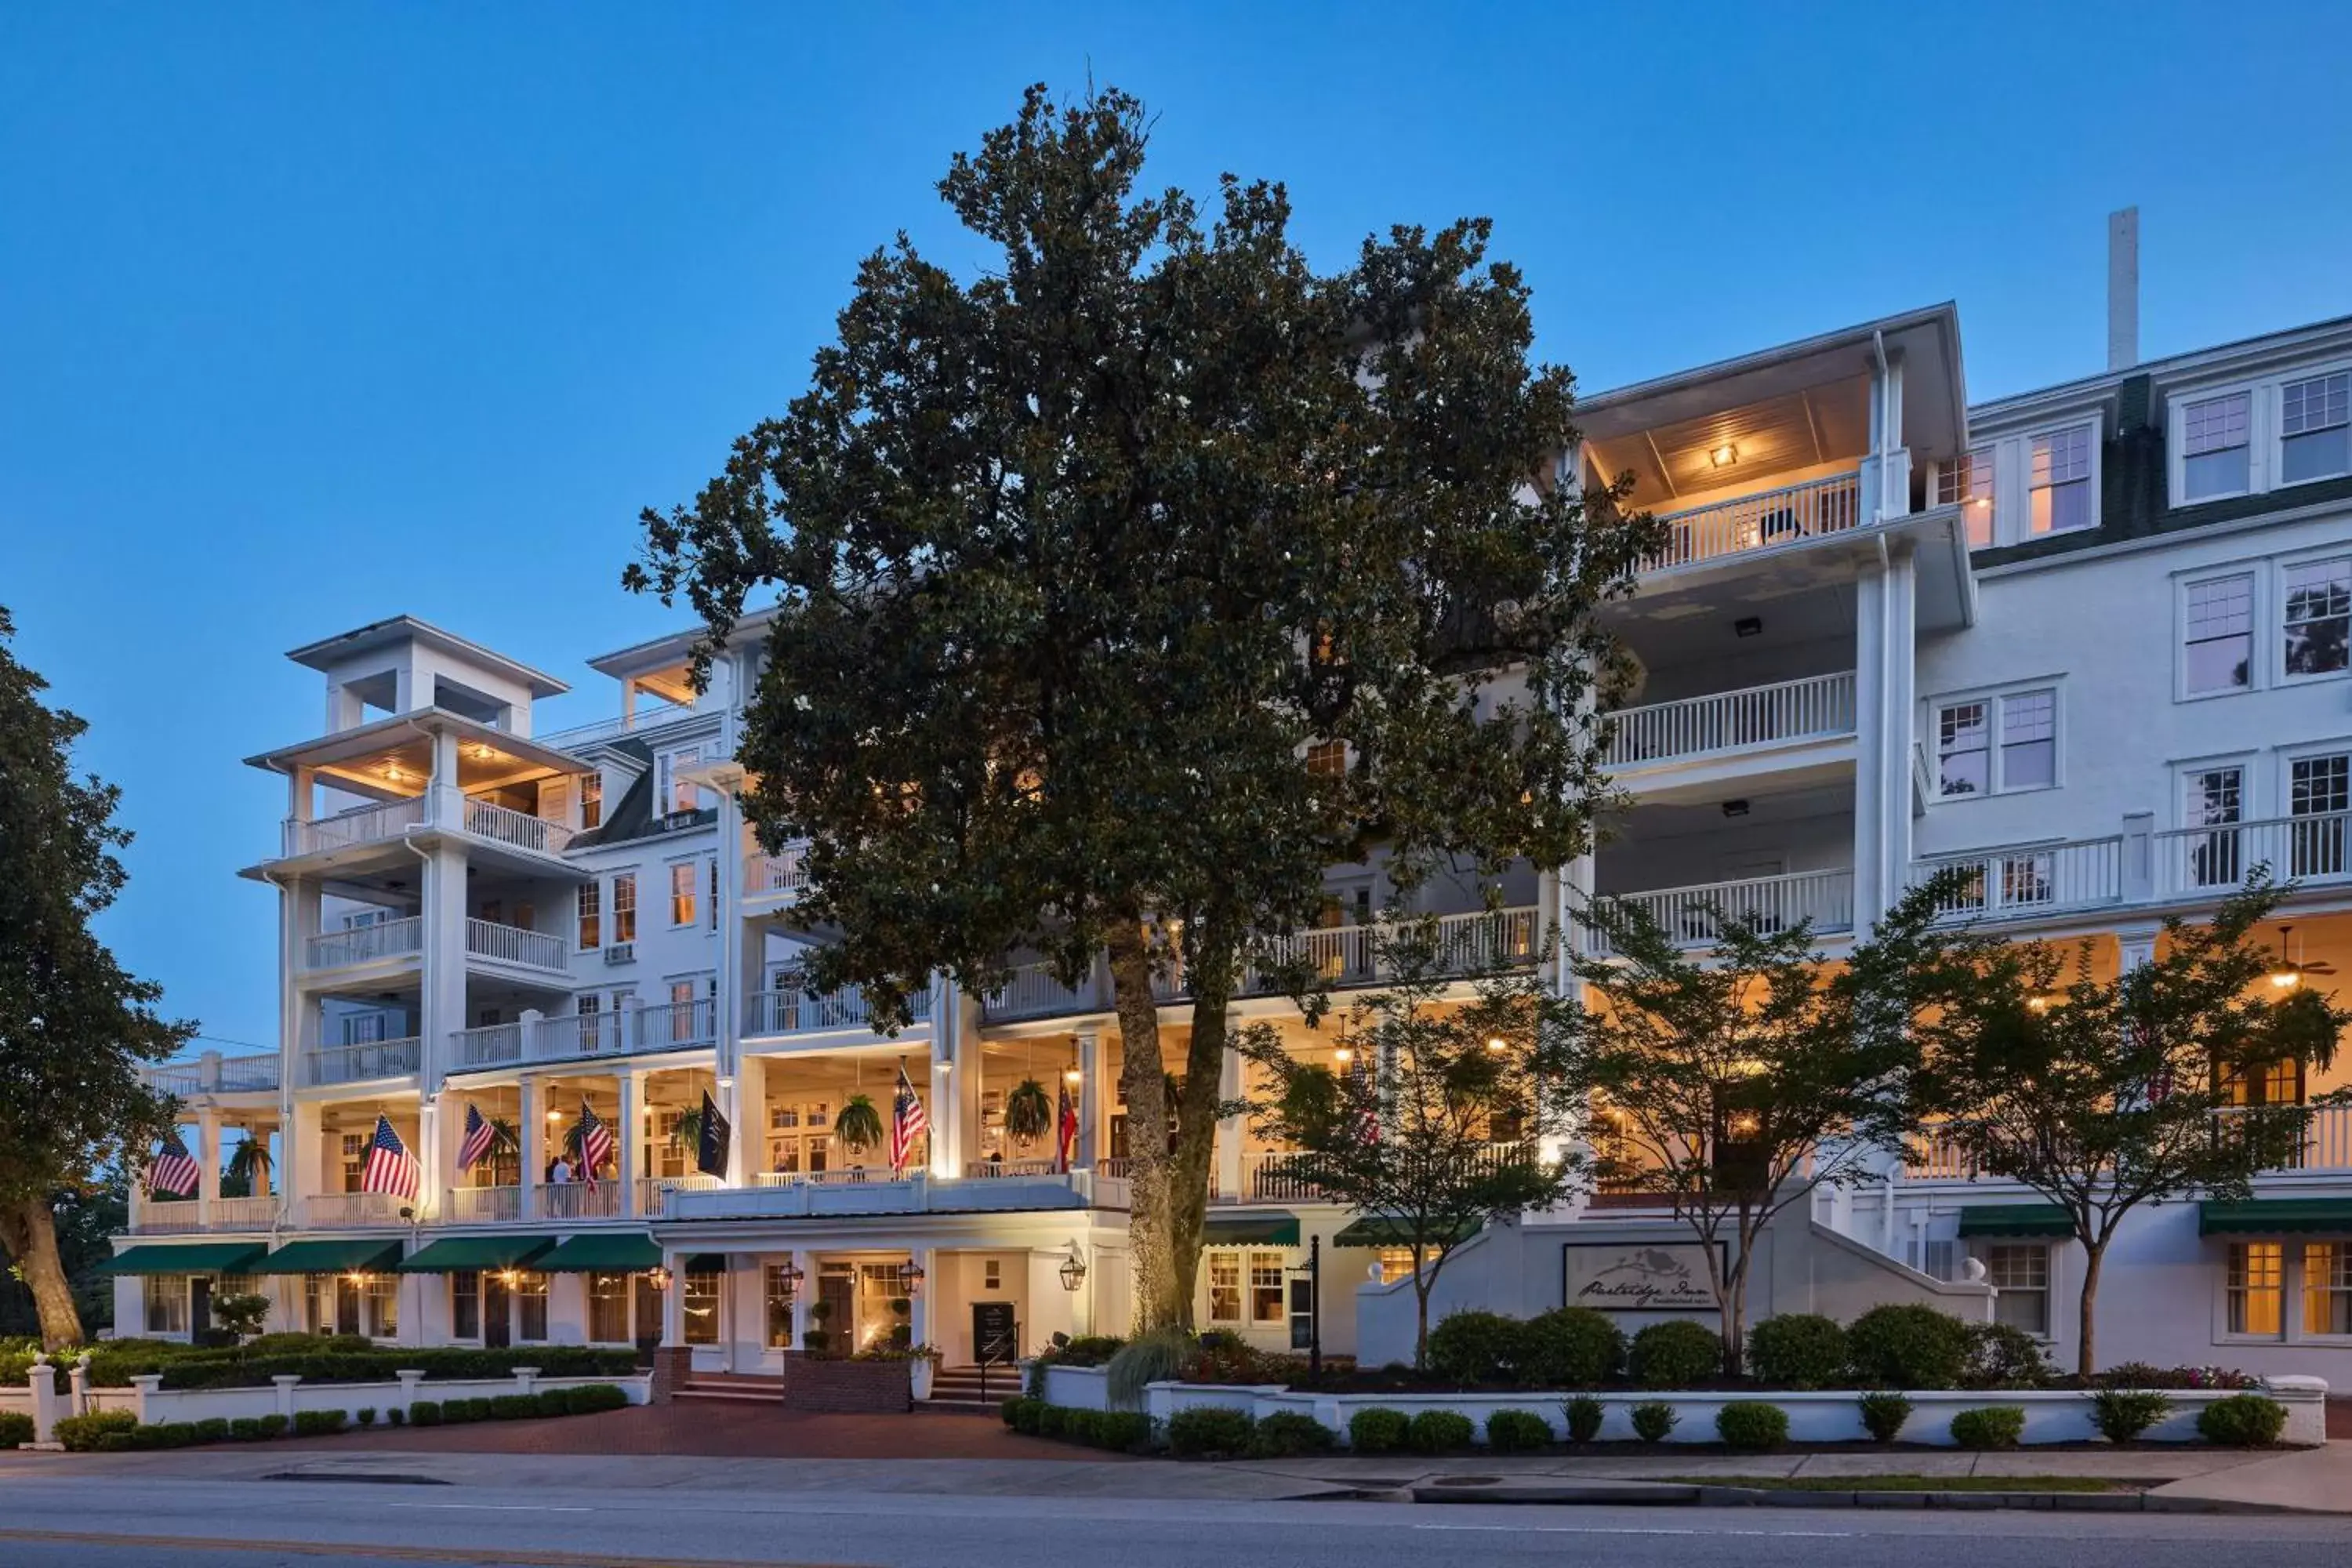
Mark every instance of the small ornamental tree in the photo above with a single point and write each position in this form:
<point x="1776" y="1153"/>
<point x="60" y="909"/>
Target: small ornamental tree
<point x="2104" y="1095"/>
<point x="1732" y="1080"/>
<point x="1075" y="557"/>
<point x="1449" y="1113"/>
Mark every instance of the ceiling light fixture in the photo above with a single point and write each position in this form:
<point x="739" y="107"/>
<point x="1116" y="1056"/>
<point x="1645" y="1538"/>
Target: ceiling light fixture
<point x="1748" y="626"/>
<point x="1723" y="457"/>
<point x="1735" y="808"/>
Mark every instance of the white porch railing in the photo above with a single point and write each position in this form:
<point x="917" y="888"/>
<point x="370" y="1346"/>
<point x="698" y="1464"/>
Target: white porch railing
<point x="1032" y="992"/>
<point x="652" y="1191"/>
<point x="2314" y="848"/>
<point x="578" y="1200"/>
<point x="997" y="1170"/>
<point x="784" y="873"/>
<point x="1759" y="521"/>
<point x="1776" y="903"/>
<point x="2327" y="1137"/>
<point x="244" y="1214"/>
<point x="513" y="945"/>
<point x="792" y="1011"/>
<point x="576" y="1035"/>
<point x="331" y="1209"/>
<point x="362" y="825"/>
<point x="488" y="1045"/>
<point x="364" y="944"/>
<point x="673" y="1025"/>
<point x="476" y="1206"/>
<point x="356" y="1064"/>
<point x="1932" y="1155"/>
<point x="1273" y="1175"/>
<point x="1815" y="707"/>
<point x="2080" y="874"/>
<point x="181" y="1079"/>
<point x="248" y="1074"/>
<point x="165" y="1216"/>
<point x="520" y="830"/>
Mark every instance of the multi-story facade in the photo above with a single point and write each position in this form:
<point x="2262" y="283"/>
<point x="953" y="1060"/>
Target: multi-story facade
<point x="2090" y="642"/>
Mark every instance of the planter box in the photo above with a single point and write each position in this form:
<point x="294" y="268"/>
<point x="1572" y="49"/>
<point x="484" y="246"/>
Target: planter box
<point x="856" y="1387"/>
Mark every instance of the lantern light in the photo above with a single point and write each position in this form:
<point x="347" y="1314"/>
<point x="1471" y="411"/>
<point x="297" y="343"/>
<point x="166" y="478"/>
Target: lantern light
<point x="1074" y="1270"/>
<point x="659" y="1276"/>
<point x="910" y="1279"/>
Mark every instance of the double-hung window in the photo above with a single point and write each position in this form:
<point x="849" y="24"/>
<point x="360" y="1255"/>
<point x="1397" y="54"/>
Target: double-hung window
<point x="1266" y="1289"/>
<point x="674" y="793"/>
<point x="683" y="878"/>
<point x="2020" y="1272"/>
<point x="1224" y="1286"/>
<point x="2327" y="1288"/>
<point x="2255" y="1293"/>
<point x="592" y="917"/>
<point x="2061" y="480"/>
<point x="591" y="801"/>
<point x="2315" y="428"/>
<point x="1963" y="754"/>
<point x="2316" y="597"/>
<point x="2319" y="796"/>
<point x="2217" y="447"/>
<point x="624" y="907"/>
<point x="2029" y="740"/>
<point x="2215" y="798"/>
<point x="2218" y="634"/>
<point x="608" y="1309"/>
<point x="1966" y="482"/>
<point x="1987" y="746"/>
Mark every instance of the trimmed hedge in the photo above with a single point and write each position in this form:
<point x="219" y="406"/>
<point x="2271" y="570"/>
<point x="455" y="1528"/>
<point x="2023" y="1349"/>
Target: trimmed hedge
<point x="1441" y="1432"/>
<point x="1883" y="1415"/>
<point x="1994" y="1427"/>
<point x="1908" y="1346"/>
<point x="380" y="1366"/>
<point x="79" y="1434"/>
<point x="1652" y="1421"/>
<point x="1569" y="1347"/>
<point x="15" y="1428"/>
<point x="1584" y="1416"/>
<point x="1798" y="1350"/>
<point x="317" y="1423"/>
<point x="1377" y="1430"/>
<point x="1517" y="1431"/>
<point x="1675" y="1353"/>
<point x="2123" y="1414"/>
<point x="2242" y="1421"/>
<point x="1206" y="1431"/>
<point x="1287" y="1434"/>
<point x="1752" y="1425"/>
<point x="1477" y="1347"/>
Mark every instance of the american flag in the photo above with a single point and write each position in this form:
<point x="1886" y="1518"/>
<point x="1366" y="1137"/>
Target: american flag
<point x="173" y="1172"/>
<point x="907" y="1120"/>
<point x="390" y="1167"/>
<point x="595" y="1143"/>
<point x="479" y="1136"/>
<point x="1065" y="1128"/>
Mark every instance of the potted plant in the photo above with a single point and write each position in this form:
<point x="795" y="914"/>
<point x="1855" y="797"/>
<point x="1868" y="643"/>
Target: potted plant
<point x="817" y="1339"/>
<point x="923" y="1360"/>
<point x="246" y="1174"/>
<point x="1028" y="1113"/>
<point x="859" y="1125"/>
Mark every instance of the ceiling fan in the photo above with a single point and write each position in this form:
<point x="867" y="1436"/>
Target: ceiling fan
<point x="2289" y="973"/>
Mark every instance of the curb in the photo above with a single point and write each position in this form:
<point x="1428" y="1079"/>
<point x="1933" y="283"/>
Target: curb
<point x="1671" y="1494"/>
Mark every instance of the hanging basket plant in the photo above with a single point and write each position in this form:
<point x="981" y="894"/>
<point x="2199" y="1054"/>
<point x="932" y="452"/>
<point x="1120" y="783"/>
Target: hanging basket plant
<point x="1028" y="1113"/>
<point x="859" y="1125"/>
<point x="686" y="1132"/>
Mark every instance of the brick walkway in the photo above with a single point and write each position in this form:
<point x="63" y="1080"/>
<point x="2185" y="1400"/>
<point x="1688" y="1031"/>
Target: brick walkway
<point x="727" y="1431"/>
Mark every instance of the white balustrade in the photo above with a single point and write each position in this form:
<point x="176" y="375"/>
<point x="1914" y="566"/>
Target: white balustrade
<point x="2079" y="874"/>
<point x="674" y="1026"/>
<point x="1689" y="915"/>
<point x="362" y="825"/>
<point x="248" y="1074"/>
<point x="1815" y="707"/>
<point x="1933" y="1154"/>
<point x="179" y="1078"/>
<point x="244" y="1214"/>
<point x="165" y="1216"/>
<point x="997" y="1170"/>
<point x="792" y="1011"/>
<point x="652" y="1191"/>
<point x="1759" y="521"/>
<point x="577" y="1034"/>
<point x="517" y="829"/>
<point x="2327" y="1136"/>
<point x="324" y="1065"/>
<point x="2315" y="848"/>
<point x="514" y="944"/>
<point x="328" y="1210"/>
<point x="784" y="873"/>
<point x="488" y="1045"/>
<point x="579" y="1200"/>
<point x="476" y="1206"/>
<point x="383" y="941"/>
<point x="1033" y="991"/>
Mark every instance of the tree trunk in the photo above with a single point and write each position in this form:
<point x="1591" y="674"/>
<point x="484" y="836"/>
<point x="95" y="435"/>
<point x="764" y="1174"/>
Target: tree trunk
<point x="28" y="1232"/>
<point x="2086" y="1350"/>
<point x="1420" y="1289"/>
<point x="1144" y="1083"/>
<point x="1733" y="1294"/>
<point x="1190" y="1172"/>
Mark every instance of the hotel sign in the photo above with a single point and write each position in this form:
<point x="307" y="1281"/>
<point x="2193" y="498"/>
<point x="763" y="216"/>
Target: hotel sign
<point x="1636" y="1277"/>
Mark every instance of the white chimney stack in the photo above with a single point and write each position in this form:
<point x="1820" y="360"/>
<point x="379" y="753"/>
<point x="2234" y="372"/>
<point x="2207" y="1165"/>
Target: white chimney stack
<point x="2123" y="288"/>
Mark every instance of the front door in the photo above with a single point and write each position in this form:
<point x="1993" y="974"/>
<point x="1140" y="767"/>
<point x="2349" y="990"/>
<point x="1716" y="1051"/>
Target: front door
<point x="200" y="1306"/>
<point x="837" y="1288"/>
<point x="497" y="1321"/>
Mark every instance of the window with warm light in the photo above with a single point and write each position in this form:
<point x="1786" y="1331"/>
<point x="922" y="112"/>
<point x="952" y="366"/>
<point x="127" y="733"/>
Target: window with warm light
<point x="608" y="1309"/>
<point x="2327" y="1288"/>
<point x="592" y="917"/>
<point x="1966" y="482"/>
<point x="529" y="1292"/>
<point x="1224" y="1286"/>
<point x="2256" y="1288"/>
<point x="591" y="801"/>
<point x="1328" y="760"/>
<point x="164" y="1297"/>
<point x="1266" y="1291"/>
<point x="2060" y="488"/>
<point x="1396" y="1264"/>
<point x="699" y="1305"/>
<point x="778" y="1294"/>
<point x="683" y="880"/>
<point x="466" y="1304"/>
<point x="624" y="907"/>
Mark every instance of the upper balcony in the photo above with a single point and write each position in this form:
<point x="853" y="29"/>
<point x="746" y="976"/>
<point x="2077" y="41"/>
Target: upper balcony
<point x="575" y="1037"/>
<point x="1693" y="747"/>
<point x="214" y="1074"/>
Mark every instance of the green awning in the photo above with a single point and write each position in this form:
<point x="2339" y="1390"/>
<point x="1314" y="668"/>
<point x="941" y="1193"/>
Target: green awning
<point x="1275" y="1229"/>
<point x="332" y="1256"/>
<point x="2275" y="1216"/>
<point x="188" y="1257"/>
<point x="1380" y="1230"/>
<point x="604" y="1252"/>
<point x="458" y="1253"/>
<point x="703" y="1263"/>
<point x="2016" y="1219"/>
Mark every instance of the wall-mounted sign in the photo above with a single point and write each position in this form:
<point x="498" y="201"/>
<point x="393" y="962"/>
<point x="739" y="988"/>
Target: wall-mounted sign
<point x="1636" y="1277"/>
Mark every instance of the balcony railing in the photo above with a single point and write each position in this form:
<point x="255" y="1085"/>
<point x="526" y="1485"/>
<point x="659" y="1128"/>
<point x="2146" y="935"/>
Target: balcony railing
<point x="492" y="1045"/>
<point x="674" y="1026"/>
<point x="476" y="1206"/>
<point x="2314" y="848"/>
<point x="2030" y="878"/>
<point x="520" y="830"/>
<point x="998" y="1169"/>
<point x="792" y="1011"/>
<point x="362" y="825"/>
<point x="784" y="873"/>
<point x="577" y="1034"/>
<point x="374" y="944"/>
<point x="213" y="1074"/>
<point x="578" y="1200"/>
<point x="249" y="1075"/>
<point x="513" y="945"/>
<point x="653" y="1191"/>
<point x="1688" y="915"/>
<point x="1759" y="521"/>
<point x="323" y="1065"/>
<point x="2326" y="1137"/>
<point x="1813" y="708"/>
<point x="330" y="1210"/>
<point x="165" y="1216"/>
<point x="181" y="1079"/>
<point x="1275" y="1177"/>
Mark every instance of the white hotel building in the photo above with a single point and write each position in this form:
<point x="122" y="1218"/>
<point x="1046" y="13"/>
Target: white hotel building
<point x="2090" y="639"/>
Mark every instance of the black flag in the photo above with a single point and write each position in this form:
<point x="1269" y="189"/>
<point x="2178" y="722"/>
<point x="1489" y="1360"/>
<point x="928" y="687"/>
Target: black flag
<point x="710" y="1149"/>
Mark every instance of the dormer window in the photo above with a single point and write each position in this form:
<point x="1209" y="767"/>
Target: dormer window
<point x="591" y="801"/>
<point x="2061" y="480"/>
<point x="1966" y="482"/>
<point x="2216" y="447"/>
<point x="2315" y="428"/>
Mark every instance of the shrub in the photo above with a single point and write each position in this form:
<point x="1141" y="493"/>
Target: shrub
<point x="317" y="1423"/>
<point x="426" y="1413"/>
<point x="1079" y="1425"/>
<point x="1569" y="1347"/>
<point x="79" y="1434"/>
<point x="245" y="1430"/>
<point x="1516" y="1432"/>
<point x="1286" y="1433"/>
<point x="1883" y="1415"/>
<point x="1028" y="1417"/>
<point x="1477" y="1347"/>
<point x="272" y="1425"/>
<point x="1154" y="1357"/>
<point x="2002" y="1355"/>
<point x="1994" y="1427"/>
<point x="1376" y="1430"/>
<point x="1753" y="1424"/>
<point x="1900" y="1346"/>
<point x="1122" y="1431"/>
<point x="1584" y="1416"/>
<point x="1052" y="1420"/>
<point x="213" y="1429"/>
<point x="15" y="1428"/>
<point x="595" y="1399"/>
<point x="117" y="1442"/>
<point x="1208" y="1430"/>
<point x="394" y="1415"/>
<point x="1009" y="1409"/>
<point x="365" y="1414"/>
<point x="2241" y="1421"/>
<point x="1441" y="1432"/>
<point x="513" y="1406"/>
<point x="1675" y="1353"/>
<point x="2123" y="1414"/>
<point x="1798" y="1350"/>
<point x="815" y="1341"/>
<point x="1654" y="1420"/>
<point x="553" y="1401"/>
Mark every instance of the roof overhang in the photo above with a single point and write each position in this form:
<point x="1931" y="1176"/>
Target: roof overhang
<point x="327" y="652"/>
<point x="334" y="756"/>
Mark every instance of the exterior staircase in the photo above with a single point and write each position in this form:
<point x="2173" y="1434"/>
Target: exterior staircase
<point x="959" y="1389"/>
<point x="730" y="1388"/>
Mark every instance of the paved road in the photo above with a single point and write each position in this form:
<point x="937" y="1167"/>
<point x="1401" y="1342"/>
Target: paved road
<point x="52" y="1521"/>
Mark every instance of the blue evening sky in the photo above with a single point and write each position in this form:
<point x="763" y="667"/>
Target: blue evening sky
<point x="312" y="314"/>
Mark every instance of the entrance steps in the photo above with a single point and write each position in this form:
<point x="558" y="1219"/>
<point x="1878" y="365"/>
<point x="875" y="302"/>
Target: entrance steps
<point x="730" y="1388"/>
<point x="959" y="1389"/>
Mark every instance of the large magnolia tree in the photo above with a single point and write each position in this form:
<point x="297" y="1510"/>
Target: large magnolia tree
<point x="1077" y="554"/>
<point x="74" y="1026"/>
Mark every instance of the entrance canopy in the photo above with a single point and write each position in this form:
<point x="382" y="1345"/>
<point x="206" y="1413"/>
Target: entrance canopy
<point x="459" y="1254"/>
<point x="1278" y="1228"/>
<point x="602" y="1252"/>
<point x="2016" y="1219"/>
<point x="342" y="1255"/>
<point x="188" y="1257"/>
<point x="2275" y="1216"/>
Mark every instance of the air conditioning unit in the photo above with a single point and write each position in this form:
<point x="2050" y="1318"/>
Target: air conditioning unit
<point x="621" y="952"/>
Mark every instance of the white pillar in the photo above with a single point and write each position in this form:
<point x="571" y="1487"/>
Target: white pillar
<point x="434" y="1155"/>
<point x="674" y="1298"/>
<point x="803" y="1294"/>
<point x="1872" y="876"/>
<point x="208" y="1163"/>
<point x="1090" y="1100"/>
<point x="533" y="1129"/>
<point x="628" y="1132"/>
<point x="742" y="1099"/>
<point x="919" y="1314"/>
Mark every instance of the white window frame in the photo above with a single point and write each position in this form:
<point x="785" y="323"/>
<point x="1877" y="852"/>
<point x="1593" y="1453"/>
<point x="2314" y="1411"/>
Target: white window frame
<point x="589" y="791"/>
<point x="2265" y="431"/>
<point x="2092" y="444"/>
<point x="2177" y="445"/>
<point x="2274" y="623"/>
<point x="2289" y="1298"/>
<point x="693" y="898"/>
<point x="1996" y="700"/>
<point x="612" y="911"/>
<point x="666" y="785"/>
<point x="591" y="888"/>
<point x="1237" y="1260"/>
<point x="2257" y="599"/>
<point x="1977" y="504"/>
<point x="2046" y="1289"/>
<point x="2305" y="1290"/>
<point x="2279" y="430"/>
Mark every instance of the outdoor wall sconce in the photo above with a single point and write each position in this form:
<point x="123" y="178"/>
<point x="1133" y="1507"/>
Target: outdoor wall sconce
<point x="792" y="1274"/>
<point x="657" y="1276"/>
<point x="1074" y="1270"/>
<point x="910" y="1279"/>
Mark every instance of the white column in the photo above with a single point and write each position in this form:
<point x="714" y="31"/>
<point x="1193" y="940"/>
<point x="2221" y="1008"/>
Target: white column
<point x="628" y="1135"/>
<point x="304" y="1153"/>
<point x="969" y="1078"/>
<point x="919" y="1314"/>
<point x="743" y="1100"/>
<point x="803" y="1294"/>
<point x="434" y="1154"/>
<point x="1090" y="1099"/>
<point x="1871" y="874"/>
<point x="441" y="989"/>
<point x="1892" y="758"/>
<point x="1229" y="1129"/>
<point x="533" y="1131"/>
<point x="674" y="1298"/>
<point x="208" y="1164"/>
